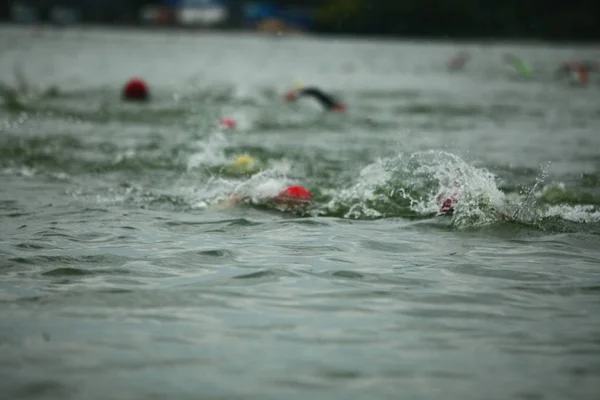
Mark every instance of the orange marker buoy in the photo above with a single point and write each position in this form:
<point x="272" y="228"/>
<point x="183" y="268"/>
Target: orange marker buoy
<point x="136" y="89"/>
<point x="294" y="196"/>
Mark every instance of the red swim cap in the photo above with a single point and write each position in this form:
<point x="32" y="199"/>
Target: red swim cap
<point x="228" y="123"/>
<point x="582" y="74"/>
<point x="291" y="96"/>
<point x="294" y="196"/>
<point x="135" y="89"/>
<point x="339" y="107"/>
<point x="447" y="203"/>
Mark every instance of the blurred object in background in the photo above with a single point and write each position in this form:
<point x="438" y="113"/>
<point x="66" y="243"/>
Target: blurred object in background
<point x="23" y="13"/>
<point x="64" y="16"/>
<point x="153" y="14"/>
<point x="68" y="12"/>
<point x="199" y="13"/>
<point x="460" y="18"/>
<point x="271" y="18"/>
<point x="450" y="19"/>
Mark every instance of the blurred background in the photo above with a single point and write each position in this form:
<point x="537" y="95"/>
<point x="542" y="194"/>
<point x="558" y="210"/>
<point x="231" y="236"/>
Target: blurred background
<point x="535" y="19"/>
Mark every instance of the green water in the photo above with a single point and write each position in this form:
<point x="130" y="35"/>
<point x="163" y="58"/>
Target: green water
<point x="123" y="276"/>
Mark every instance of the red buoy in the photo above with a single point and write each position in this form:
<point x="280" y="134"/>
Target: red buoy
<point x="294" y="196"/>
<point x="136" y="89"/>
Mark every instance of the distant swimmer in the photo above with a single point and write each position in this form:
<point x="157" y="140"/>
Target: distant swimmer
<point x="136" y="89"/>
<point x="518" y="64"/>
<point x="295" y="197"/>
<point x="326" y="100"/>
<point x="590" y="66"/>
<point x="458" y="61"/>
<point x="243" y="165"/>
<point x="228" y="123"/>
<point x="578" y="71"/>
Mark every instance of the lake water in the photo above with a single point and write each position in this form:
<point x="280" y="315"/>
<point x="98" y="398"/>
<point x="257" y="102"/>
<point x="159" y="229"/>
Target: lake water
<point x="124" y="276"/>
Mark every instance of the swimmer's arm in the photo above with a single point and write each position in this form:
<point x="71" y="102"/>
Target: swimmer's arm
<point x="232" y="201"/>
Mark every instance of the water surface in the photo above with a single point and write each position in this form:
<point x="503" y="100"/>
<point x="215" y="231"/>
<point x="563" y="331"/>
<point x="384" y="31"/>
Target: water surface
<point x="123" y="277"/>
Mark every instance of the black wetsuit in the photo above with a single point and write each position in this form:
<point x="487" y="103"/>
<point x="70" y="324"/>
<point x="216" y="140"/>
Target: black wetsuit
<point x="325" y="99"/>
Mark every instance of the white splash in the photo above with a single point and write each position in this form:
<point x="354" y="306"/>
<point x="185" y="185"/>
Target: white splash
<point x="416" y="182"/>
<point x="210" y="151"/>
<point x="578" y="213"/>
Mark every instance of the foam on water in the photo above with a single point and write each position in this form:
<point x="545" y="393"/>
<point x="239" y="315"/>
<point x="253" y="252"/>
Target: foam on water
<point x="412" y="185"/>
<point x="555" y="200"/>
<point x="209" y="152"/>
<point x="579" y="213"/>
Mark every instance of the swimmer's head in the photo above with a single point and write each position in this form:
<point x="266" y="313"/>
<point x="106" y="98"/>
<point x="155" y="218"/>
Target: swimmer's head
<point x="229" y="123"/>
<point x="244" y="161"/>
<point x="447" y="202"/>
<point x="291" y="95"/>
<point x="295" y="92"/>
<point x="242" y="166"/>
<point x="136" y="89"/>
<point x="339" y="107"/>
<point x="294" y="196"/>
<point x="580" y="74"/>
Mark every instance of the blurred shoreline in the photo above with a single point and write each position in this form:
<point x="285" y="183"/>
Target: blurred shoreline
<point x="41" y="28"/>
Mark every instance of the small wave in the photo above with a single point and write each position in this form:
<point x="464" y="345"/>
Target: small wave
<point x="411" y="185"/>
<point x="66" y="155"/>
<point x="557" y="193"/>
<point x="265" y="185"/>
<point x="441" y="109"/>
<point x="210" y="152"/>
<point x="580" y="213"/>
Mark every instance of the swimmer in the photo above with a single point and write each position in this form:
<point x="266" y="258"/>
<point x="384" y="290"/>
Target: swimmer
<point x="326" y="100"/>
<point x="458" y="61"/>
<point x="520" y="66"/>
<point x="243" y="165"/>
<point x="135" y="89"/>
<point x="577" y="71"/>
<point x="570" y="66"/>
<point x="295" y="197"/>
<point x="447" y="202"/>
